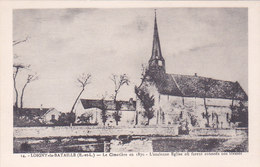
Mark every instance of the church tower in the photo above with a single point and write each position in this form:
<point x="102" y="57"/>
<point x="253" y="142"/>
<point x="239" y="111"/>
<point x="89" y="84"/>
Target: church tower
<point x="156" y="62"/>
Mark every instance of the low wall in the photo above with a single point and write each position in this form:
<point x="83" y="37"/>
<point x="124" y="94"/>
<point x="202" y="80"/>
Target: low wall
<point x="61" y="131"/>
<point x="218" y="132"/>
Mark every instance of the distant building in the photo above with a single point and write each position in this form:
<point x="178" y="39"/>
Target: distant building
<point x="50" y="116"/>
<point x="198" y="101"/>
<point x="93" y="108"/>
<point x="39" y="115"/>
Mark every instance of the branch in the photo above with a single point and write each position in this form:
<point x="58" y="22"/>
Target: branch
<point x="32" y="78"/>
<point x="119" y="82"/>
<point x="84" y="79"/>
<point x="17" y="42"/>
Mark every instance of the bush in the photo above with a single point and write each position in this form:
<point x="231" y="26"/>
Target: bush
<point x="25" y="147"/>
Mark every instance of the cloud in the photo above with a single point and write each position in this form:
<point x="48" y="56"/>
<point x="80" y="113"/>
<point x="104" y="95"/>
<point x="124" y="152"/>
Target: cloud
<point x="71" y="13"/>
<point x="196" y="48"/>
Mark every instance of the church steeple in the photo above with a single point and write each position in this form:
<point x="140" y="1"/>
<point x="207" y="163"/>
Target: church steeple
<point x="156" y="62"/>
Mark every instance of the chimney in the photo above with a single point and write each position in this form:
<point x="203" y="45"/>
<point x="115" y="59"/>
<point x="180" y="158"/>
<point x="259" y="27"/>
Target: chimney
<point x="41" y="107"/>
<point x="195" y="75"/>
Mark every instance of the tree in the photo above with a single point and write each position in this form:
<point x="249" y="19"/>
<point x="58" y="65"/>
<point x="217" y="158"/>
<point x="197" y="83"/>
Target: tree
<point x="104" y="115"/>
<point x="85" y="118"/>
<point x="206" y="84"/>
<point x="234" y="91"/>
<point x="147" y="102"/>
<point x="118" y="81"/>
<point x="30" y="78"/>
<point x="116" y="115"/>
<point x="84" y="81"/>
<point x="66" y="118"/>
<point x="240" y="115"/>
<point x="17" y="68"/>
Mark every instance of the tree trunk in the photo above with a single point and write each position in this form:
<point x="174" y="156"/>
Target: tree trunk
<point x="157" y="117"/>
<point x="136" y="117"/>
<point x="21" y="100"/>
<point x="207" y="114"/>
<point x="72" y="109"/>
<point x="117" y="115"/>
<point x="148" y="121"/>
<point x="16" y="95"/>
<point x="232" y="104"/>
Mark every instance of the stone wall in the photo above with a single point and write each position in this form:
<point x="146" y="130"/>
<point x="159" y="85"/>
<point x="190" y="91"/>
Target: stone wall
<point x="219" y="132"/>
<point x="66" y="131"/>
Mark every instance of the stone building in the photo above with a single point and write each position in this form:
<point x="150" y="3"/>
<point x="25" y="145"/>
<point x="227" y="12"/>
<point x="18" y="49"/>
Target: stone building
<point x="190" y="100"/>
<point x="93" y="108"/>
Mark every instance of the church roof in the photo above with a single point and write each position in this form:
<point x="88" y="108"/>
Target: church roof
<point x="197" y="86"/>
<point x="109" y="104"/>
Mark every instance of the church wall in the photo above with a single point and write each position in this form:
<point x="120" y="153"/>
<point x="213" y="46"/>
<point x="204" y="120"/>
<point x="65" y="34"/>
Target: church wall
<point x="175" y="109"/>
<point x="171" y="108"/>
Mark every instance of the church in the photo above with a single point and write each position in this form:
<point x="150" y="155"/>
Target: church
<point x="188" y="100"/>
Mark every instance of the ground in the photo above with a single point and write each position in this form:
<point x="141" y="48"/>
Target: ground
<point x="134" y="144"/>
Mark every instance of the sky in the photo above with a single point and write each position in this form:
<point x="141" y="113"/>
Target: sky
<point x="64" y="43"/>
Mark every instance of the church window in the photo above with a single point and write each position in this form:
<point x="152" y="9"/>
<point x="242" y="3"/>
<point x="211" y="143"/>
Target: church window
<point x="227" y="116"/>
<point x="160" y="63"/>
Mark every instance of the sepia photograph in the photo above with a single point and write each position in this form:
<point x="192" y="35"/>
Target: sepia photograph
<point x="130" y="80"/>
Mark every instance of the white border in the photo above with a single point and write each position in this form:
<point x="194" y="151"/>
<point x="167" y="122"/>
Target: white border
<point x="8" y="159"/>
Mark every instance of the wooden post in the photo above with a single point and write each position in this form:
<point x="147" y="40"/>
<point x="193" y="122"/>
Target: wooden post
<point x="106" y="146"/>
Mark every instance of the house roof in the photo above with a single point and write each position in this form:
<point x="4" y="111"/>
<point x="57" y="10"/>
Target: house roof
<point x="110" y="105"/>
<point x="35" y="112"/>
<point x="197" y="86"/>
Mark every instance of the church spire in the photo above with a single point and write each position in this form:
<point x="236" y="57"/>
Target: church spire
<point x="156" y="61"/>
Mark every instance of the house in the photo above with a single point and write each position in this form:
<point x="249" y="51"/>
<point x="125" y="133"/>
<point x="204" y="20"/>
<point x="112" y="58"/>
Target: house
<point x="189" y="99"/>
<point x="50" y="116"/>
<point x="93" y="109"/>
<point x="38" y="116"/>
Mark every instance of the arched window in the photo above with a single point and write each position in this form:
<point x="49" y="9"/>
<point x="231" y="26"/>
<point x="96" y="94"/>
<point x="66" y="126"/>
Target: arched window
<point x="160" y="63"/>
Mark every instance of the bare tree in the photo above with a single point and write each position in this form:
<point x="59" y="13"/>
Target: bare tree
<point x="118" y="81"/>
<point x="17" y="69"/>
<point x="206" y="84"/>
<point x="30" y="78"/>
<point x="84" y="81"/>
